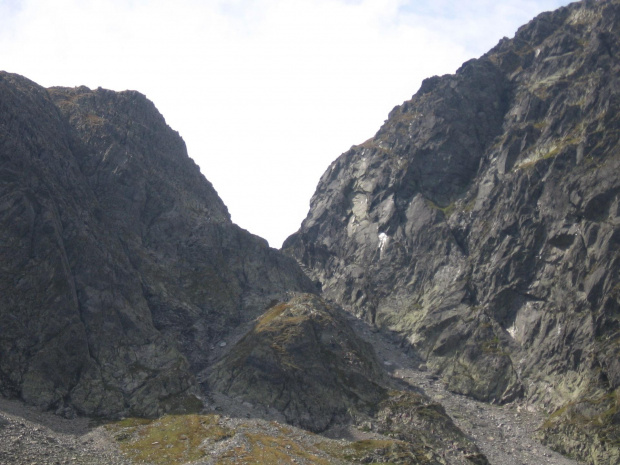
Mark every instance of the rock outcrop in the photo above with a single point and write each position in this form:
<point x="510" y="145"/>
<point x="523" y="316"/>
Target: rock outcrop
<point x="303" y="359"/>
<point x="482" y="222"/>
<point x="119" y="265"/>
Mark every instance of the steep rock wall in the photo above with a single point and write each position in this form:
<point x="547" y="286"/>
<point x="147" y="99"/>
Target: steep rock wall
<point x="119" y="265"/>
<point x="481" y="221"/>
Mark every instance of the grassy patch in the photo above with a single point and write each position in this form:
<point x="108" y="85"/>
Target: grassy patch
<point x="269" y="316"/>
<point x="447" y="210"/>
<point x="384" y="451"/>
<point x="263" y="448"/>
<point x="172" y="439"/>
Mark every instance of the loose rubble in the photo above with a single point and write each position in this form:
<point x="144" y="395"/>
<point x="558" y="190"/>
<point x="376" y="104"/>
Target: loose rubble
<point x="29" y="436"/>
<point x="503" y="433"/>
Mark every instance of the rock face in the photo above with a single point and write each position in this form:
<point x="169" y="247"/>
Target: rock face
<point x="122" y="277"/>
<point x="119" y="265"/>
<point x="482" y="223"/>
<point x="303" y="359"/>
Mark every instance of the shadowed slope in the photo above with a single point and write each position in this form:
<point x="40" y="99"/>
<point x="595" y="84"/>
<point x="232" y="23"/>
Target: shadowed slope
<point x="119" y="265"/>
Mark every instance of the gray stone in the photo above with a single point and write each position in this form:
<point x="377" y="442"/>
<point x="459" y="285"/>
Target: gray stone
<point x="481" y="221"/>
<point x="303" y="359"/>
<point x="119" y="264"/>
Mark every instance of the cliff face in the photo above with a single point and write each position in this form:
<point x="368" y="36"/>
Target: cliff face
<point x="122" y="279"/>
<point x="482" y="222"/>
<point x="119" y="265"/>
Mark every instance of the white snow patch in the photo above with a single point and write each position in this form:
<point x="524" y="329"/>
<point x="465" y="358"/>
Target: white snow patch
<point x="512" y="331"/>
<point x="384" y="239"/>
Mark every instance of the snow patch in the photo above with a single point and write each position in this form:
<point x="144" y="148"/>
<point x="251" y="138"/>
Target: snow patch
<point x="512" y="331"/>
<point x="383" y="240"/>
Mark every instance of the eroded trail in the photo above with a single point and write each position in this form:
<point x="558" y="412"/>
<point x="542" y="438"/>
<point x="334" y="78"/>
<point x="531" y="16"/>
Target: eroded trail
<point x="503" y="433"/>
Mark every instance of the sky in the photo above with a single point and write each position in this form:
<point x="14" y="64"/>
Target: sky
<point x="265" y="93"/>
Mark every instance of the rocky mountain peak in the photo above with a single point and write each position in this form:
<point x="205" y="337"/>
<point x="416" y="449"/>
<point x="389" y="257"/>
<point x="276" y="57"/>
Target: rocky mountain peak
<point x="120" y="266"/>
<point x="479" y="221"/>
<point x="475" y="235"/>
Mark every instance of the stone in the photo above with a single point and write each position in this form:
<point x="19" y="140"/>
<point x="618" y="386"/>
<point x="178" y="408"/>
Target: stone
<point x="303" y="359"/>
<point x="119" y="266"/>
<point x="480" y="223"/>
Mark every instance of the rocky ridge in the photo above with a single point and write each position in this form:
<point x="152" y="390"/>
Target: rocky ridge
<point x="303" y="359"/>
<point x="480" y="224"/>
<point x="127" y="291"/>
<point x="476" y="230"/>
<point x="120" y="269"/>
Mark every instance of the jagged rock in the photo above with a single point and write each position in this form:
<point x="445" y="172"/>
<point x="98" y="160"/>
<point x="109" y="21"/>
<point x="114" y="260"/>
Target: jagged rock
<point x="303" y="359"/>
<point x="481" y="221"/>
<point x="586" y="428"/>
<point x="119" y="265"/>
<point x="414" y="418"/>
<point x="121" y="275"/>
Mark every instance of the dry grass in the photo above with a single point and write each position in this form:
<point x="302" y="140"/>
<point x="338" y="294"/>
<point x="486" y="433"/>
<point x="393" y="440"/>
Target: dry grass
<point x="172" y="439"/>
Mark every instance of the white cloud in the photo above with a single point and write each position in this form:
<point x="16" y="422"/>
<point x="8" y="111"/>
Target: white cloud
<point x="266" y="93"/>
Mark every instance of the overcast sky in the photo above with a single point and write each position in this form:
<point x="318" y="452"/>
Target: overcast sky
<point x="265" y="93"/>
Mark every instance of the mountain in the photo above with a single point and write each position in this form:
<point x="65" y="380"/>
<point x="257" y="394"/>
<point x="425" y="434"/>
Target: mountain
<point x="482" y="223"/>
<point x="303" y="358"/>
<point x="120" y="269"/>
<point x="126" y="291"/>
<point x="477" y="231"/>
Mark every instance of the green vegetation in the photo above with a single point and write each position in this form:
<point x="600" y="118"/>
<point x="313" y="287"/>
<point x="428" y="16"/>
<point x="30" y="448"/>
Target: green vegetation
<point x="172" y="439"/>
<point x="375" y="451"/>
<point x="271" y="314"/>
<point x="594" y="421"/>
<point x="447" y="210"/>
<point x="179" y="439"/>
<point x="265" y="448"/>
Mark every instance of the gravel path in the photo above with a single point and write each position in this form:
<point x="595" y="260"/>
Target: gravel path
<point x="503" y="433"/>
